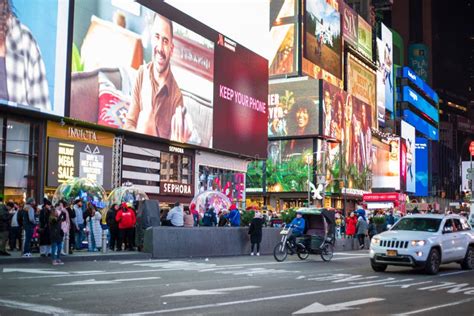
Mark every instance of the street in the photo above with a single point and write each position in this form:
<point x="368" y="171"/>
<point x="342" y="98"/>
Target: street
<point x="234" y="286"/>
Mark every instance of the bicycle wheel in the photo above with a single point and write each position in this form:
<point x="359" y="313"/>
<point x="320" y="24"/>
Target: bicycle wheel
<point x="280" y="252"/>
<point x="327" y="252"/>
<point x="302" y="252"/>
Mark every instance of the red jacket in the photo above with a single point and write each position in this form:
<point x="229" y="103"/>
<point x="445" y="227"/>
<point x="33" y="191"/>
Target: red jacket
<point x="126" y="218"/>
<point x="351" y="223"/>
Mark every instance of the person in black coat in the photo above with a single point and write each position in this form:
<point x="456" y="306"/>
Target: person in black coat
<point x="113" y="227"/>
<point x="255" y="232"/>
<point x="44" y="235"/>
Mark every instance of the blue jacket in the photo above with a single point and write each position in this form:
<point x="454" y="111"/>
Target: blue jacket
<point x="209" y="219"/>
<point x="299" y="224"/>
<point x="234" y="218"/>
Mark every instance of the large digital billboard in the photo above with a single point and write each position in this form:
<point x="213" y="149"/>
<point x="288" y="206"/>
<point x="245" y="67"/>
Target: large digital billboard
<point x="323" y="36"/>
<point x="293" y="108"/>
<point x="283" y="34"/>
<point x="386" y="164"/>
<point x="406" y="72"/>
<point x="429" y="111"/>
<point x="361" y="83"/>
<point x="364" y="38"/>
<point x="159" y="72"/>
<point x="408" y="134"/>
<point x="35" y="55"/>
<point x="384" y="73"/>
<point x="421" y="125"/>
<point x="421" y="158"/>
<point x="350" y="24"/>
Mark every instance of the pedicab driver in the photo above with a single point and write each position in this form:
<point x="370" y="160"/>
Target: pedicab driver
<point x="298" y="225"/>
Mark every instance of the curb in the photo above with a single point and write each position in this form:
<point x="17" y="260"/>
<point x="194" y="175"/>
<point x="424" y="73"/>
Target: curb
<point x="72" y="258"/>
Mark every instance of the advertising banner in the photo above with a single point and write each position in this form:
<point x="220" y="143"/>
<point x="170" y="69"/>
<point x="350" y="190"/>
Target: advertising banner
<point x="421" y="125"/>
<point x="350" y="24"/>
<point x="386" y="165"/>
<point x="283" y="34"/>
<point x="406" y="72"/>
<point x="361" y="83"/>
<point x="384" y="73"/>
<point x="418" y="59"/>
<point x="408" y="134"/>
<point x="409" y="95"/>
<point x="421" y="158"/>
<point x="364" y="38"/>
<point x="403" y="164"/>
<point x="466" y="170"/>
<point x="35" y="56"/>
<point x="293" y="108"/>
<point x="159" y="72"/>
<point x="323" y="36"/>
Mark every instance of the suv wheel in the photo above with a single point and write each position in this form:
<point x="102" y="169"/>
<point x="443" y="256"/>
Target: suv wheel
<point x="468" y="261"/>
<point x="378" y="267"/>
<point x="433" y="262"/>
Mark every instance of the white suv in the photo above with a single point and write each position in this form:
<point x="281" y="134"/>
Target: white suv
<point x="424" y="241"/>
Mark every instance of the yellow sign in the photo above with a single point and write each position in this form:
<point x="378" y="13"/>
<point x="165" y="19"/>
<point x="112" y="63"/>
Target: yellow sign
<point x="80" y="134"/>
<point x="65" y="162"/>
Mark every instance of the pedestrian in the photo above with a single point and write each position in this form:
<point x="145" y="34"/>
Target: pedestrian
<point x="113" y="226"/>
<point x="188" y="218"/>
<point x="223" y="221"/>
<point x="44" y="234"/>
<point x="390" y="219"/>
<point x="72" y="228"/>
<point x="80" y="224"/>
<point x="351" y="223"/>
<point x="4" y="227"/>
<point x="29" y="224"/>
<point x="195" y="213"/>
<point x="209" y="218"/>
<point x="372" y="229"/>
<point x="361" y="230"/>
<point x="56" y="218"/>
<point x="126" y="220"/>
<point x="65" y="225"/>
<point x="14" y="237"/>
<point x="93" y="228"/>
<point x="234" y="216"/>
<point x="338" y="222"/>
<point x="255" y="232"/>
<point x="175" y="216"/>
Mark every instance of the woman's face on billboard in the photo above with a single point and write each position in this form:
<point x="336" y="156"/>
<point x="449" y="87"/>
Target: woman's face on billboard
<point x="302" y="117"/>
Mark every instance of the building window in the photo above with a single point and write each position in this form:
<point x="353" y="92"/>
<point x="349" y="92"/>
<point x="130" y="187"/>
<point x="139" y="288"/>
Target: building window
<point x="176" y="168"/>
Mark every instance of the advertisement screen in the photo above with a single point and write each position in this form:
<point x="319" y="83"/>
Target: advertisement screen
<point x="418" y="59"/>
<point x="283" y="50"/>
<point x="35" y="57"/>
<point x="361" y="83"/>
<point x="323" y="36"/>
<point x="416" y="100"/>
<point x="406" y="72"/>
<point x="403" y="164"/>
<point x="465" y="171"/>
<point x="365" y="38"/>
<point x="350" y="24"/>
<point x="386" y="165"/>
<point x="421" y="158"/>
<point x="157" y="71"/>
<point x="421" y="125"/>
<point x="384" y="73"/>
<point x="408" y="134"/>
<point x="287" y="165"/>
<point x="69" y="159"/>
<point x="293" y="108"/>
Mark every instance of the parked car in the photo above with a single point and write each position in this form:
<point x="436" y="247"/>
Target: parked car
<point x="424" y="241"/>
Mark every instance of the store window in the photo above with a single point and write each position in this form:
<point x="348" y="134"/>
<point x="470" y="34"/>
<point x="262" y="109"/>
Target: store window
<point x="231" y="183"/>
<point x="176" y="168"/>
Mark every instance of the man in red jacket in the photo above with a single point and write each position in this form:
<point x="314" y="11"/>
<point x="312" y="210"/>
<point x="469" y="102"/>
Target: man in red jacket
<point x="126" y="220"/>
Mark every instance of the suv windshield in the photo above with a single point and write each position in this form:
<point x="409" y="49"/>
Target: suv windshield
<point x="418" y="224"/>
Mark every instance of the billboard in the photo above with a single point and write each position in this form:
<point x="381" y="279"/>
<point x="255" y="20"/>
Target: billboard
<point x="283" y="34"/>
<point x="386" y="164"/>
<point x="293" y="108"/>
<point x="323" y="36"/>
<point x="465" y="171"/>
<point x="287" y="165"/>
<point x="418" y="59"/>
<point x="159" y="72"/>
<point x="421" y="158"/>
<point x="406" y="72"/>
<point x="408" y="134"/>
<point x="428" y="110"/>
<point x="421" y="125"/>
<point x="364" y="38"/>
<point x="35" y="56"/>
<point x="384" y="73"/>
<point x="349" y="24"/>
<point x="361" y="83"/>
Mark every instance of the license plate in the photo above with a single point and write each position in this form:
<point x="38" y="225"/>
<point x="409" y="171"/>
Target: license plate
<point x="391" y="253"/>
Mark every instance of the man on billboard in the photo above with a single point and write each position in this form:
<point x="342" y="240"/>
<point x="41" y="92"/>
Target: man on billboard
<point x="157" y="107"/>
<point x="22" y="70"/>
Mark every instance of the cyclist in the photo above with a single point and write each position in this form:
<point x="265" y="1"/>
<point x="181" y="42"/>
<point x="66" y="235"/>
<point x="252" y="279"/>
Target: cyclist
<point x="298" y="225"/>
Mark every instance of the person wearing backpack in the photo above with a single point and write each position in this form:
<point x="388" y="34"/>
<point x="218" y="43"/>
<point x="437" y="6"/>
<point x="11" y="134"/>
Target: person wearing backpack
<point x="234" y="216"/>
<point x="29" y="224"/>
<point x="4" y="226"/>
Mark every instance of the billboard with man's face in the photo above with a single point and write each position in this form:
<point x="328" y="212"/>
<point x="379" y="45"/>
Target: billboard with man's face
<point x="153" y="70"/>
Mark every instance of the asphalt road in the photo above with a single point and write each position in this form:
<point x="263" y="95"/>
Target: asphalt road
<point x="234" y="286"/>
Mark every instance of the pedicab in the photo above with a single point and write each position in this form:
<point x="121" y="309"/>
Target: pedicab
<point x="318" y="237"/>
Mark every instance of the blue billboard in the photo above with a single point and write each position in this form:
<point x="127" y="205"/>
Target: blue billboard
<point x="418" y="59"/>
<point x="421" y="157"/>
<point x="409" y="95"/>
<point x="421" y="125"/>
<point x="408" y="73"/>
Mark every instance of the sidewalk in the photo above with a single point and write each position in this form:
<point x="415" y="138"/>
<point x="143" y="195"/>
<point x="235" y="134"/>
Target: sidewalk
<point x="83" y="255"/>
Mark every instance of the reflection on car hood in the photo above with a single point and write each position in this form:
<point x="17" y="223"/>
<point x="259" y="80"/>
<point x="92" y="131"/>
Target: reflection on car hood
<point x="405" y="235"/>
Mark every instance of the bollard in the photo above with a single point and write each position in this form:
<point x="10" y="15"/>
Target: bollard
<point x="104" y="241"/>
<point x="66" y="244"/>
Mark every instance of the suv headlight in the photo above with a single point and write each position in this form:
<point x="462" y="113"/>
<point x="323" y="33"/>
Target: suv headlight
<point x="418" y="243"/>
<point x="375" y="241"/>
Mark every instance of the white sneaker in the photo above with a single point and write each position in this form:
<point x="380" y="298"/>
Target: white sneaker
<point x="251" y="253"/>
<point x="26" y="255"/>
<point x="258" y="253"/>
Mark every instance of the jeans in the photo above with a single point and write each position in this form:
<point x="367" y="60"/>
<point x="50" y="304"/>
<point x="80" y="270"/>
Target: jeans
<point x="258" y="246"/>
<point x="361" y="238"/>
<point x="3" y="241"/>
<point x="80" y="236"/>
<point x="126" y="237"/>
<point x="292" y="238"/>
<point x="28" y="236"/>
<point x="196" y="219"/>
<point x="15" y="234"/>
<point x="56" y="250"/>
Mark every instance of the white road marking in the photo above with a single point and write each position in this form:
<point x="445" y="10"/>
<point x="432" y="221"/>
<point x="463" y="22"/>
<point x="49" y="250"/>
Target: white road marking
<point x="364" y="254"/>
<point x="454" y="273"/>
<point x="436" y="307"/>
<point x="320" y="308"/>
<point x="101" y="282"/>
<point x="97" y="273"/>
<point x="260" y="299"/>
<point x="37" y="308"/>
<point x="406" y="286"/>
<point x="34" y="271"/>
<point x="194" y="292"/>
